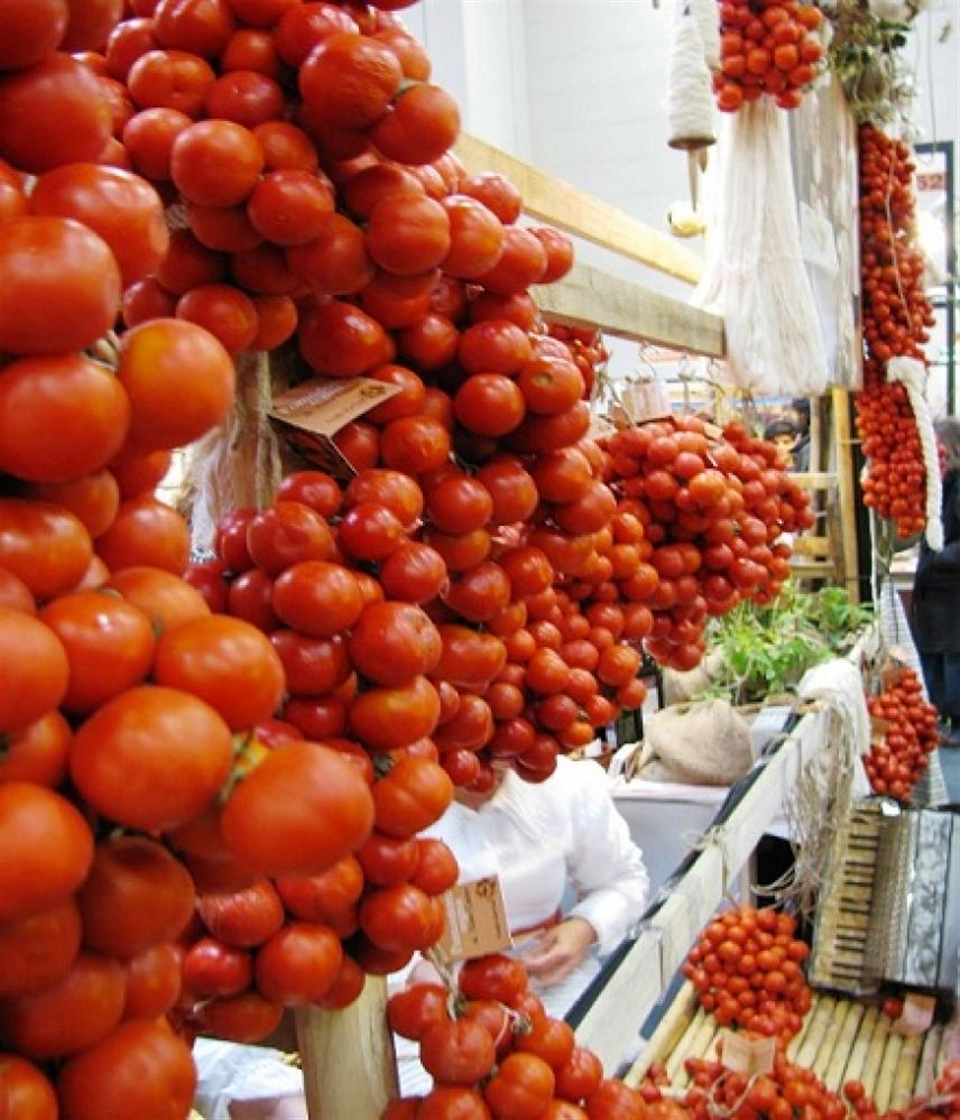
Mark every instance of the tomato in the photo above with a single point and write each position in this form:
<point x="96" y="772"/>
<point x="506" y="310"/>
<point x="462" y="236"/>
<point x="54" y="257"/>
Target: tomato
<point x="212" y="968"/>
<point x="401" y="918"/>
<point x="180" y="381"/>
<point x="430" y="343"/>
<point x="24" y="1090"/>
<point x="394" y="643"/>
<point x="412" y="796"/>
<point x="459" y="504"/>
<point x="414" y="1009"/>
<point x="436" y="867"/>
<point x="470" y="658"/>
<point x="38" y="949"/>
<point x="476" y="237"/>
<point x="146" y="533"/>
<point x="415" y="444"/>
<point x="166" y="600"/>
<point x="299" y="963"/>
<point x="421" y="126"/>
<point x="339" y="340"/>
<point x="450" y="1101"/>
<point x="613" y="1100"/>
<point x="76" y="1012"/>
<point x="34" y="671"/>
<point x="349" y="80"/>
<point x="141" y="1069"/>
<point x="559" y="251"/>
<point x="550" y="1039"/>
<point x="480" y="593"/>
<point x="324" y="898"/>
<point x="153" y="982"/>
<point x="496" y="193"/>
<point x="59" y="286"/>
<point x="396" y="491"/>
<point x="388" y="718"/>
<point x="494" y="976"/>
<point x="151" y="758"/>
<point x="387" y="861"/>
<point x="246" y="1017"/>
<point x="54" y="112"/>
<point x="334" y="812"/>
<point x="494" y="346"/>
<point x="457" y="1053"/>
<point x="521" y="1088"/>
<point x="489" y="404"/>
<point x="408" y="234"/>
<point x="245" y="96"/>
<point x="580" y="1075"/>
<point x="37" y="752"/>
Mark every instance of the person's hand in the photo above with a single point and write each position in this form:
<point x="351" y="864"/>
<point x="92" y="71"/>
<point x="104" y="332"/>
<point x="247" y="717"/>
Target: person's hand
<point x="558" y="950"/>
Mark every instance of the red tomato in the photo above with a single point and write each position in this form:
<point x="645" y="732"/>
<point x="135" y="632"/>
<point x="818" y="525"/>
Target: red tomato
<point x="53" y="112"/>
<point x="334" y="817"/>
<point x="394" y="643"/>
<point x="476" y="238"/>
<point x="153" y="982"/>
<point x="24" y="1090"/>
<point x="421" y="126"/>
<point x="299" y="963"/>
<point x="401" y="918"/>
<point x="389" y="718"/>
<point x="141" y="1069"/>
<point x="246" y="1017"/>
<point x="34" y="670"/>
<point x="412" y="796"/>
<point x="339" y="340"/>
<point x="38" y="950"/>
<point x="522" y="1087"/>
<point x="460" y="1052"/>
<point x="324" y="898"/>
<point x="408" y="234"/>
<point x="212" y="968"/>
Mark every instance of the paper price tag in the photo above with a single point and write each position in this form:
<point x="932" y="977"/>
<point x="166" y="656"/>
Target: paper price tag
<point x="747" y="1054"/>
<point x="879" y="729"/>
<point x="476" y="920"/>
<point x="311" y="414"/>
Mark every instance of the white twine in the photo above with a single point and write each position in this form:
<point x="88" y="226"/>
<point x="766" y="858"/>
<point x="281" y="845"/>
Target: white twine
<point x="755" y="274"/>
<point x="705" y="12"/>
<point x="690" y="108"/>
<point x="912" y="374"/>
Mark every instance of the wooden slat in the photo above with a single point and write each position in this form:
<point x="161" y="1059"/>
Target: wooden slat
<point x="813" y="570"/>
<point x="814" y="480"/>
<point x="589" y="297"/>
<point x="571" y="209"/>
<point x="811" y="546"/>
<point x="845" y="480"/>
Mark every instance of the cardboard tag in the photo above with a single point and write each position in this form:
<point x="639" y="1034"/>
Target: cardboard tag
<point x="311" y="414"/>
<point x="892" y="672"/>
<point x="747" y="1054"/>
<point x="646" y="400"/>
<point x="879" y="729"/>
<point x="476" y="920"/>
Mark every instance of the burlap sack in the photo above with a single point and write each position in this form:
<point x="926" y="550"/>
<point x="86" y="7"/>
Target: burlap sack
<point x="702" y="744"/>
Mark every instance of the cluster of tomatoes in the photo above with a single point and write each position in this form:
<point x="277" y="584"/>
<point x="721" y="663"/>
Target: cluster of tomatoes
<point x="896" y="763"/>
<point x="713" y="511"/>
<point x="896" y="318"/>
<point x="493" y="1052"/>
<point x="766" y="47"/>
<point x="746" y="969"/>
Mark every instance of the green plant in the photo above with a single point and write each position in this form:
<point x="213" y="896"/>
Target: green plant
<point x="767" y="650"/>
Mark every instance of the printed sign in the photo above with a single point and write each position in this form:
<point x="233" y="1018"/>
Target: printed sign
<point x="476" y="920"/>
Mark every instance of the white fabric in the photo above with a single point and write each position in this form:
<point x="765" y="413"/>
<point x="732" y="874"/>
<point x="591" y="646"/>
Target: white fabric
<point x="912" y="375"/>
<point x="706" y="14"/>
<point x="540" y="840"/>
<point x="246" y="1083"/>
<point x="754" y="274"/>
<point x="839" y="684"/>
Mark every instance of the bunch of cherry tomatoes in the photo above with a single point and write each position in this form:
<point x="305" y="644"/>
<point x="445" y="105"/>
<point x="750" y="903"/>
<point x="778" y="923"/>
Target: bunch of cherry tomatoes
<point x="494" y="1052"/>
<point x="713" y="510"/>
<point x="746" y="970"/>
<point x="896" y="318"/>
<point x="896" y="763"/>
<point x="766" y="47"/>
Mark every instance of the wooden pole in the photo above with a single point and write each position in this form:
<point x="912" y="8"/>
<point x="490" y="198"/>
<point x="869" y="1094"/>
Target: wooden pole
<point x="349" y="1069"/>
<point x="843" y="444"/>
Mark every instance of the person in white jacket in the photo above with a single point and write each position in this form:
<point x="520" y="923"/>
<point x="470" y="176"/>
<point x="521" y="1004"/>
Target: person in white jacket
<point x="574" y="884"/>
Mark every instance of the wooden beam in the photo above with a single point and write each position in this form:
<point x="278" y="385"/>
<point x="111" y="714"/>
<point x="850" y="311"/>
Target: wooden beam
<point x="817" y="480"/>
<point x="847" y="492"/>
<point x="573" y="210"/>
<point x="588" y="297"/>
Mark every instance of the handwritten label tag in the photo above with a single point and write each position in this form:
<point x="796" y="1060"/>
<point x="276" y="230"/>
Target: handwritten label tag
<point x="748" y="1054"/>
<point x="476" y="920"/>
<point x="312" y="413"/>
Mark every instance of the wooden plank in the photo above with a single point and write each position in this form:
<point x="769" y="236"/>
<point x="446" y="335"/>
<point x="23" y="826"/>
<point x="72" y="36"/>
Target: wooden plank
<point x="814" y="480"/>
<point x="349" y="1070"/>
<point x="842" y="438"/>
<point x="667" y="1034"/>
<point x="611" y="1025"/>
<point x="589" y="297"/>
<point x="811" y="546"/>
<point x="571" y="209"/>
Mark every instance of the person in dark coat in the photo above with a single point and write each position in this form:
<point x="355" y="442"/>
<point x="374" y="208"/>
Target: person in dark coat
<point x="936" y="597"/>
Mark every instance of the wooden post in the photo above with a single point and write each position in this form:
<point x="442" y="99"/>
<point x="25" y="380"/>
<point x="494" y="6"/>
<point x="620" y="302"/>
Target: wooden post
<point x="843" y="445"/>
<point x="349" y="1069"/>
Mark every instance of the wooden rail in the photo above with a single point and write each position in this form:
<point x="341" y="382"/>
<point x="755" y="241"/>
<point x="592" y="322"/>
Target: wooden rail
<point x="573" y="210"/>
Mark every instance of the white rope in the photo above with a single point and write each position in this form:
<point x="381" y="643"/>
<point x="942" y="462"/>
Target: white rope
<point x="690" y="108"/>
<point x="912" y="375"/>
<point x="706" y="13"/>
<point x="755" y="274"/>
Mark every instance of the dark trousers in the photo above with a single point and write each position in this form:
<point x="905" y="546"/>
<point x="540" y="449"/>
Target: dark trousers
<point x="941" y="672"/>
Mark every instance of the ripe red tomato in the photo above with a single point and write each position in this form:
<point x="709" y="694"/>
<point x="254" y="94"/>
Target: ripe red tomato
<point x="339" y="340"/>
<point x="74" y="1013"/>
<point x="349" y="80"/>
<point x="246" y="1017"/>
<point x="495" y="977"/>
<point x="436" y="868"/>
<point x="401" y="917"/>
<point x="34" y="670"/>
<point x="24" y="1090"/>
<point x="324" y="898"/>
<point x="411" y="797"/>
<point x="165" y="599"/>
<point x="421" y="126"/>
<point x="153" y="982"/>
<point x="53" y="112"/>
<point x="141" y="1069"/>
<point x="613" y="1100"/>
<point x="395" y="642"/>
<point x="299" y="963"/>
<point x="522" y="1086"/>
<point x="334" y="812"/>
<point x="212" y="968"/>
<point x="476" y="238"/>
<point x="460" y="1052"/>
<point x="136" y="896"/>
<point x="38" y="949"/>
<point x="446" y="1101"/>
<point x="580" y="1075"/>
<point x="177" y="747"/>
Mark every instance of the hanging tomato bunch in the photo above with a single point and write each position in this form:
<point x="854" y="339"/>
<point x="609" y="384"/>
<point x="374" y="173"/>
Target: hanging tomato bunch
<point x="767" y="47"/>
<point x="494" y="1052"/>
<point x="896" y="318"/>
<point x="746" y="969"/>
<point x="897" y="762"/>
<point x="713" y="511"/>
